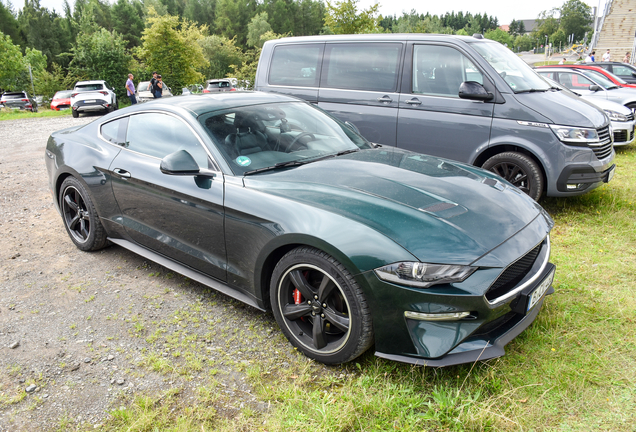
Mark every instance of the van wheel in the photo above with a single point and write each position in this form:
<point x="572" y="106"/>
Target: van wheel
<point x="518" y="169"/>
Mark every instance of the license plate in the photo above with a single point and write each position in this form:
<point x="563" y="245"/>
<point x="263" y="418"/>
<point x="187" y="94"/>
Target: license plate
<point x="90" y="101"/>
<point x="538" y="293"/>
<point x="611" y="174"/>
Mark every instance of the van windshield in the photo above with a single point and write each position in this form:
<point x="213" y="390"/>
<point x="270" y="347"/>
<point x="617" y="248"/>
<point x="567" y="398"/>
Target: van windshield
<point x="518" y="75"/>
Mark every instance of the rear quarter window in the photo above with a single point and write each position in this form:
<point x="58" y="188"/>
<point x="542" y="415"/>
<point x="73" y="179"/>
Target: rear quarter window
<point x="296" y="65"/>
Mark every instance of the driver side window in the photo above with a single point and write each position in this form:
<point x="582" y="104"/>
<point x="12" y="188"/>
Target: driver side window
<point x="440" y="70"/>
<point x="159" y="135"/>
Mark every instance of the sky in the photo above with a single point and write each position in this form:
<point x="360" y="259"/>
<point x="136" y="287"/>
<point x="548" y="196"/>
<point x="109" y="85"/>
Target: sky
<point x="500" y="8"/>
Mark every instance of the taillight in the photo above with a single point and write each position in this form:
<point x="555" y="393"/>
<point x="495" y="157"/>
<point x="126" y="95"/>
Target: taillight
<point x="74" y="94"/>
<point x="232" y="89"/>
<point x="206" y="91"/>
<point x="104" y="93"/>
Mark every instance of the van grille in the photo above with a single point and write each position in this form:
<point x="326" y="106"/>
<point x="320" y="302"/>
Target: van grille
<point x="513" y="274"/>
<point x="603" y="148"/>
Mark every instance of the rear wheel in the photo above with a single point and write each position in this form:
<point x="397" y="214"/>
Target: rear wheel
<point x="75" y="113"/>
<point x="518" y="169"/>
<point x="80" y="217"/>
<point x="319" y="306"/>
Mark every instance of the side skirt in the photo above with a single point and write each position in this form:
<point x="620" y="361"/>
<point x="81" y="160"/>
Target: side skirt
<point x="187" y="271"/>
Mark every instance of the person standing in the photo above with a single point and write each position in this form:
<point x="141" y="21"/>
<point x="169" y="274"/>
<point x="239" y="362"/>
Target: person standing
<point x="607" y="56"/>
<point x="158" y="87"/>
<point x="130" y="89"/>
<point x="151" y="86"/>
<point x="626" y="58"/>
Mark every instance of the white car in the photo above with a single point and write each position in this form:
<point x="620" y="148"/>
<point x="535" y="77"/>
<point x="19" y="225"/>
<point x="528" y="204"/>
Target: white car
<point x="145" y="95"/>
<point x="94" y="95"/>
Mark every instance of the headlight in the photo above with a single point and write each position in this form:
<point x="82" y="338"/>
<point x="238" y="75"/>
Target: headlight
<point x="616" y="116"/>
<point x="423" y="275"/>
<point x="569" y="134"/>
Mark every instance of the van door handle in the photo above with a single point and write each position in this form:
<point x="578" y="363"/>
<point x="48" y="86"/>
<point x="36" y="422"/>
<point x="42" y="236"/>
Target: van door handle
<point x="122" y="173"/>
<point x="384" y="99"/>
<point x="414" y="101"/>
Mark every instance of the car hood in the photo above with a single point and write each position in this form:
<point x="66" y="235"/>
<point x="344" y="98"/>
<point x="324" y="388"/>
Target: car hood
<point x="563" y="109"/>
<point x="439" y="210"/>
<point x="605" y="104"/>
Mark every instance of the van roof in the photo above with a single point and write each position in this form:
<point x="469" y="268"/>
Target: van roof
<point x="381" y="37"/>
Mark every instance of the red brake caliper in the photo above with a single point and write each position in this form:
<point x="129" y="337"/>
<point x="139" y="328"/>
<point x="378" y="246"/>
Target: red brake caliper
<point x="298" y="297"/>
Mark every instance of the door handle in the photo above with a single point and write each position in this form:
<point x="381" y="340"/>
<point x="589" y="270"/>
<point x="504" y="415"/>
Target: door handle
<point x="384" y="99"/>
<point x="122" y="173"/>
<point x="414" y="101"/>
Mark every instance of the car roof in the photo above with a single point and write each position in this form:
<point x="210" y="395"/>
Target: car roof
<point x="203" y="103"/>
<point x="91" y="82"/>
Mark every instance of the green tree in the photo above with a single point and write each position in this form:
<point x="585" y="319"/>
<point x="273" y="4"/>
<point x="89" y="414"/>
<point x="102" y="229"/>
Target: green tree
<point x="524" y="43"/>
<point x="576" y="17"/>
<point x="558" y="38"/>
<point x="11" y="61"/>
<point x="343" y="18"/>
<point x="221" y="54"/>
<point x="100" y="54"/>
<point x="9" y="23"/>
<point x="257" y="27"/>
<point x="200" y="11"/>
<point x="499" y="35"/>
<point x="128" y="21"/>
<point x="171" y="47"/>
<point x="47" y="83"/>
<point x="232" y="18"/>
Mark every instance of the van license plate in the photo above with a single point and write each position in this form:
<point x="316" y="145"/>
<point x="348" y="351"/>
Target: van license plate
<point x="541" y="289"/>
<point x="611" y="174"/>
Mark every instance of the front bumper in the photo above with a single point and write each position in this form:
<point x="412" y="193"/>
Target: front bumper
<point x="577" y="178"/>
<point x="623" y="133"/>
<point x="493" y="321"/>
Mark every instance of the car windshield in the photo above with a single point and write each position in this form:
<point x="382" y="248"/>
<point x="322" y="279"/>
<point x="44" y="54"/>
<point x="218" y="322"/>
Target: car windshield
<point x="600" y="79"/>
<point x="219" y="84"/>
<point x="143" y="86"/>
<point x="269" y="136"/>
<point x="518" y="75"/>
<point x="63" y="94"/>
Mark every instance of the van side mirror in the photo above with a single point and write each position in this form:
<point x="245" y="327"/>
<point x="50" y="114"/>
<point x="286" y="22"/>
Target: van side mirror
<point x="594" y="88"/>
<point x="474" y="91"/>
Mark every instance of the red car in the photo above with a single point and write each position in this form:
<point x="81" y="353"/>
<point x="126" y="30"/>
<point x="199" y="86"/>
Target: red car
<point x="61" y="100"/>
<point x="597" y="69"/>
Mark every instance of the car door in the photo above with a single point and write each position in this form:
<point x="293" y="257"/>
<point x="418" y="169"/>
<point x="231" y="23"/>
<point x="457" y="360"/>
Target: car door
<point x="180" y="217"/>
<point x="359" y="84"/>
<point x="432" y="118"/>
<point x="580" y="84"/>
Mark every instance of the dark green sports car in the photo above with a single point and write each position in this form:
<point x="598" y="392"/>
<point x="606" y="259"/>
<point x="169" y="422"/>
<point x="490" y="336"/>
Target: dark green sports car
<point x="277" y="204"/>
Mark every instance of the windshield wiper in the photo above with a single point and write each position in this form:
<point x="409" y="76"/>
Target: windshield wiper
<point x="531" y="91"/>
<point x="344" y="152"/>
<point x="278" y="165"/>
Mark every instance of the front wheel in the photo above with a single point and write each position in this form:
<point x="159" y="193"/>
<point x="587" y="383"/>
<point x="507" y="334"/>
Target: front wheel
<point x="319" y="306"/>
<point x="518" y="169"/>
<point x="80" y="217"/>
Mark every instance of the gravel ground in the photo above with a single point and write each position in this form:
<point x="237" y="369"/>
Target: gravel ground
<point x="83" y="333"/>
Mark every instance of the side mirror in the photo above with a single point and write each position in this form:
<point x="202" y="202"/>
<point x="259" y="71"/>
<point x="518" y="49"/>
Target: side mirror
<point x="183" y="164"/>
<point x="594" y="88"/>
<point x="474" y="91"/>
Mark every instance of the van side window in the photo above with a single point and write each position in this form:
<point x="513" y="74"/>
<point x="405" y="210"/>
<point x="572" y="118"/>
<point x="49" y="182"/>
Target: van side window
<point x="440" y="70"/>
<point x="296" y="65"/>
<point x="362" y="66"/>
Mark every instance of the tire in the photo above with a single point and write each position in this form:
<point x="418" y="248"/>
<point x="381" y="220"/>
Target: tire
<point x="80" y="217"/>
<point x="74" y="113"/>
<point x="331" y="322"/>
<point x="116" y="105"/>
<point x="518" y="169"/>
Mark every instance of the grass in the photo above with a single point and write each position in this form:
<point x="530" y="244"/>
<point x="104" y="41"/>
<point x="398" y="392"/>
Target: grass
<point x="15" y="114"/>
<point x="574" y="369"/>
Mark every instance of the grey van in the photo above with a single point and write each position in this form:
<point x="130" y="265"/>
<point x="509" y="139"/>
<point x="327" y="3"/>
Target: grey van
<point x="463" y="98"/>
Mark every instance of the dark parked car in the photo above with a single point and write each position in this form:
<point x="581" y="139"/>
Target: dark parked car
<point x="61" y="100"/>
<point x="18" y="100"/>
<point x="625" y="71"/>
<point x="219" y="85"/>
<point x="277" y="204"/>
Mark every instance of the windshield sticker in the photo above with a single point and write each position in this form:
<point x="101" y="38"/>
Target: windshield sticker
<point x="243" y="161"/>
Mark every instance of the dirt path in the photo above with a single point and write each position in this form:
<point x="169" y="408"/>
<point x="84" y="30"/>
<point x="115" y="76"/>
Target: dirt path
<point x="83" y="333"/>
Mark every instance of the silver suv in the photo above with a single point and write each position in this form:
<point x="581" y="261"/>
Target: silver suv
<point x="94" y="95"/>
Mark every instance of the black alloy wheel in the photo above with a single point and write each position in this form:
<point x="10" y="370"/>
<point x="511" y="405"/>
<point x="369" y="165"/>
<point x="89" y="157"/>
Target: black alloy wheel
<point x="319" y="306"/>
<point x="518" y="169"/>
<point x="80" y="217"/>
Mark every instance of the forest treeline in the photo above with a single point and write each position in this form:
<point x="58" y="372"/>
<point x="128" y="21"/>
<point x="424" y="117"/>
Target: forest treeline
<point x="189" y="41"/>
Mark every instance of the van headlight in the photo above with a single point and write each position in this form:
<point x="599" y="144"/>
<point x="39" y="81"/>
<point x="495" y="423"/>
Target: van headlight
<point x="616" y="116"/>
<point x="575" y="135"/>
<point x="423" y="275"/>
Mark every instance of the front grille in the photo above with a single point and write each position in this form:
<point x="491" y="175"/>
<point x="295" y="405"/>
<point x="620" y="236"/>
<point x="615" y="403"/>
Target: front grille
<point x="512" y="275"/>
<point x="603" y="148"/>
<point x="620" y="136"/>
